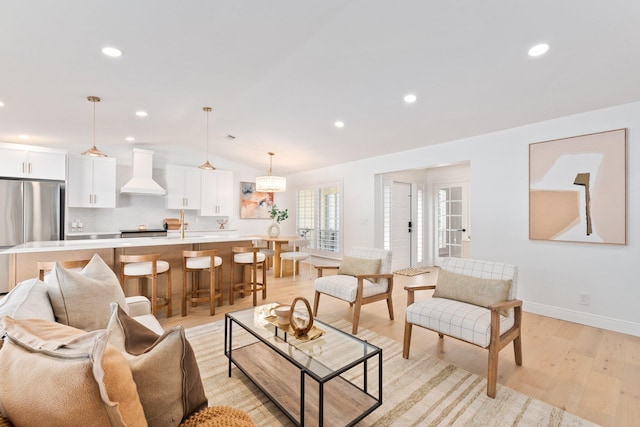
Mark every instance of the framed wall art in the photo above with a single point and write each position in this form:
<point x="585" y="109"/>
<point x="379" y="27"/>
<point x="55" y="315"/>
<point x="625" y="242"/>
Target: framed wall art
<point x="254" y="204"/>
<point x="578" y="188"/>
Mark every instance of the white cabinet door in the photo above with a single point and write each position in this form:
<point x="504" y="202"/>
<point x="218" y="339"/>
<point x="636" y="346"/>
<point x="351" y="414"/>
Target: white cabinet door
<point x="91" y="182"/>
<point x="46" y="165"/>
<point x="183" y="187"/>
<point x="33" y="164"/>
<point x="13" y="163"/>
<point x="217" y="193"/>
<point x="104" y="183"/>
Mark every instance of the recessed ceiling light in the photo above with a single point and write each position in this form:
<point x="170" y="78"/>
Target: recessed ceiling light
<point x="410" y="98"/>
<point x="112" y="51"/>
<point x="339" y="124"/>
<point x="539" y="49"/>
<point x="130" y="138"/>
<point x="23" y="136"/>
<point x="141" y="113"/>
<point x="1" y="104"/>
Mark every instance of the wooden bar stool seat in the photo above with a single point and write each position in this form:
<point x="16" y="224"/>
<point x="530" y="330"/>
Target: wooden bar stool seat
<point x="149" y="267"/>
<point x="249" y="258"/>
<point x="194" y="262"/>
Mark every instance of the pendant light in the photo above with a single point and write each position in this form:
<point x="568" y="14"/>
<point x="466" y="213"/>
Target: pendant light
<point x="206" y="165"/>
<point x="271" y="183"/>
<point x="93" y="151"/>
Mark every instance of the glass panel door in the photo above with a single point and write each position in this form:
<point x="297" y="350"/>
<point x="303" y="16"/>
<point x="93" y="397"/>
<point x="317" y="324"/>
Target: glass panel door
<point x="452" y="227"/>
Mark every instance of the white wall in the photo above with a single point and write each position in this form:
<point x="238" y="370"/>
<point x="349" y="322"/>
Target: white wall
<point x="551" y="274"/>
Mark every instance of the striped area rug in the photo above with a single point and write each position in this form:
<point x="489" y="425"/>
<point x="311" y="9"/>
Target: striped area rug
<point x="420" y="391"/>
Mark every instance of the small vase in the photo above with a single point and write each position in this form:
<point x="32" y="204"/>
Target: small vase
<point x="273" y="230"/>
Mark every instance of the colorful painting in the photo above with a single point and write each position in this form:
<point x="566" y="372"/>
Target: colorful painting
<point x="578" y="188"/>
<point x="254" y="204"/>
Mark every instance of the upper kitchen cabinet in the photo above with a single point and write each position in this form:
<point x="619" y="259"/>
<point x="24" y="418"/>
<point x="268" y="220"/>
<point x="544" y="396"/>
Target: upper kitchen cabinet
<point x="91" y="182"/>
<point x="183" y="187"/>
<point x="30" y="162"/>
<point x="217" y="193"/>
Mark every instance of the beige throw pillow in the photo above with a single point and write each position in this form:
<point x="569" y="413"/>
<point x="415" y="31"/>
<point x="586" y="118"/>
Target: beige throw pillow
<point x="164" y="368"/>
<point x="55" y="375"/>
<point x="352" y="266"/>
<point x="82" y="299"/>
<point x="473" y="290"/>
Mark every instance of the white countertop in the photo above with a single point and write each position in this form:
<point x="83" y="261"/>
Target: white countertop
<point x="65" y="245"/>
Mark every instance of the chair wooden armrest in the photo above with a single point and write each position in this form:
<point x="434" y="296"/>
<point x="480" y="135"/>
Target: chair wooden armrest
<point x="505" y="305"/>
<point x="374" y="276"/>
<point x="411" y="297"/>
<point x="320" y="268"/>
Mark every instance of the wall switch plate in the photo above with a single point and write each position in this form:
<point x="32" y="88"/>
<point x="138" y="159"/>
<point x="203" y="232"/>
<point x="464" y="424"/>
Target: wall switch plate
<point x="584" y="298"/>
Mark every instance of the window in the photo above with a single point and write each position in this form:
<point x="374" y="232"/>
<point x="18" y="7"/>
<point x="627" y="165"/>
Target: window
<point x="318" y="217"/>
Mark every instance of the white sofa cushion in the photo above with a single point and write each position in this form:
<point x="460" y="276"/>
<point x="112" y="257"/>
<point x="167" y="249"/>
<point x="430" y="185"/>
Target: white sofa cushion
<point x="28" y="300"/>
<point x="345" y="287"/>
<point x="455" y="318"/>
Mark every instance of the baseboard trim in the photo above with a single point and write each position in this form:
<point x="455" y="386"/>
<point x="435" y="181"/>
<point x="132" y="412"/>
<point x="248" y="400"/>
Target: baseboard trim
<point x="588" y="319"/>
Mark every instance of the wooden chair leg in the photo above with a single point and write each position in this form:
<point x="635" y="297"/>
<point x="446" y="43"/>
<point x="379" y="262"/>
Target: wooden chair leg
<point x="264" y="280"/>
<point x="316" y="301"/>
<point x="517" y="350"/>
<point x="406" y="343"/>
<point x="212" y="292"/>
<point x="184" y="292"/>
<point x="154" y="295"/>
<point x="254" y="284"/>
<point x="390" y="306"/>
<point x="219" y="281"/>
<point x="492" y="370"/>
<point x="169" y="312"/>
<point x="356" y="316"/>
<point x="231" y="284"/>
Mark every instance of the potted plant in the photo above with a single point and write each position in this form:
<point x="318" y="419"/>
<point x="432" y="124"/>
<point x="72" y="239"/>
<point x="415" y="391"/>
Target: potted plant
<point x="277" y="215"/>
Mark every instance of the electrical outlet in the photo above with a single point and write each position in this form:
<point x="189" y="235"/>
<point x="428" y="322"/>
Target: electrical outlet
<point x="583" y="298"/>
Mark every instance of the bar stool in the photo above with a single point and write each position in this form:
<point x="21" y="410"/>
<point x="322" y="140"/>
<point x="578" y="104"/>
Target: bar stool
<point x="194" y="262"/>
<point x="248" y="257"/>
<point x="295" y="255"/>
<point x="46" y="266"/>
<point x="147" y="266"/>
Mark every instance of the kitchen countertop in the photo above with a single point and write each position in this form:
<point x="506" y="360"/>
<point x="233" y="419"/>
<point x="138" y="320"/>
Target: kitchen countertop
<point x="65" y="245"/>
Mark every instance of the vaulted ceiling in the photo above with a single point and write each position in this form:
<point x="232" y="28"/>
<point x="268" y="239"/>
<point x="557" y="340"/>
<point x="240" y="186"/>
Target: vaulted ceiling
<point x="279" y="74"/>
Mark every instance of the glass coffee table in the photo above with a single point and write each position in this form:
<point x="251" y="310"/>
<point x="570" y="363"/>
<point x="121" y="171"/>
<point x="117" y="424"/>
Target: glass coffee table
<point x="335" y="378"/>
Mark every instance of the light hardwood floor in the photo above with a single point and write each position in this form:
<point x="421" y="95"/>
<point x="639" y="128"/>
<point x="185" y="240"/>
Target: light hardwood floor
<point x="587" y="371"/>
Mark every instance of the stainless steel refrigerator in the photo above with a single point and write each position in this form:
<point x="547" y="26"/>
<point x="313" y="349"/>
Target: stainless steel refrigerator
<point x="29" y="211"/>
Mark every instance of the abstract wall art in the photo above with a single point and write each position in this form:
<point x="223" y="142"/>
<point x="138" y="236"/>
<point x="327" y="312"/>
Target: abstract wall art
<point x="254" y="204"/>
<point x="578" y="188"/>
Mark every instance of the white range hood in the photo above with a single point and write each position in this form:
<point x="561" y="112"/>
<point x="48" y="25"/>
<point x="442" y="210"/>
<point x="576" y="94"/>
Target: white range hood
<point x="142" y="181"/>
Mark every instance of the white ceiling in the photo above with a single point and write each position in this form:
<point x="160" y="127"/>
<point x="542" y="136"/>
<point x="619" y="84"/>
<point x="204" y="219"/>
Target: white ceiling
<point x="279" y="73"/>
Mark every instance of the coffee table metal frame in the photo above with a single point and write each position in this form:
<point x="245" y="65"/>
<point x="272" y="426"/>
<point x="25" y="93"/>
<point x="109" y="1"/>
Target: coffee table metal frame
<point x="278" y="335"/>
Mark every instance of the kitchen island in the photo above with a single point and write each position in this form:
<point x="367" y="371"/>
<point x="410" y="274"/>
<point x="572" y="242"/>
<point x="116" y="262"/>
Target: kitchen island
<point x="24" y="257"/>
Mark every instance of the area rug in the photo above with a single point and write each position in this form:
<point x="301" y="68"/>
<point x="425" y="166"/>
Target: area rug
<point x="420" y="391"/>
<point x="414" y="271"/>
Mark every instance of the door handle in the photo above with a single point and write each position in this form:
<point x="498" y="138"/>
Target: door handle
<point x="463" y="230"/>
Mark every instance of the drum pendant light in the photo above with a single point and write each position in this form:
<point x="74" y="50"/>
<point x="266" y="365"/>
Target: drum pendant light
<point x="271" y="183"/>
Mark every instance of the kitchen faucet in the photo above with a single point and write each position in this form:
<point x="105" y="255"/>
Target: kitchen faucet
<point x="182" y="224"/>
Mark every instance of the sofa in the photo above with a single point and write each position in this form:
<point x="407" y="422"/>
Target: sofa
<point x="76" y="351"/>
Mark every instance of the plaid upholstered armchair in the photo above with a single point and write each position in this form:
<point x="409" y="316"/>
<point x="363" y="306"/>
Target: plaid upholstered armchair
<point x="473" y="301"/>
<point x="364" y="276"/>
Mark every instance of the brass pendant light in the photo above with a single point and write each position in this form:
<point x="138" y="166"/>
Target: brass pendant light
<point x="93" y="151"/>
<point x="206" y="165"/>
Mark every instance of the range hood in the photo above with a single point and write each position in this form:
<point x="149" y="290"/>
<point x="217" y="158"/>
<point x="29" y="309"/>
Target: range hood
<point x="142" y="181"/>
